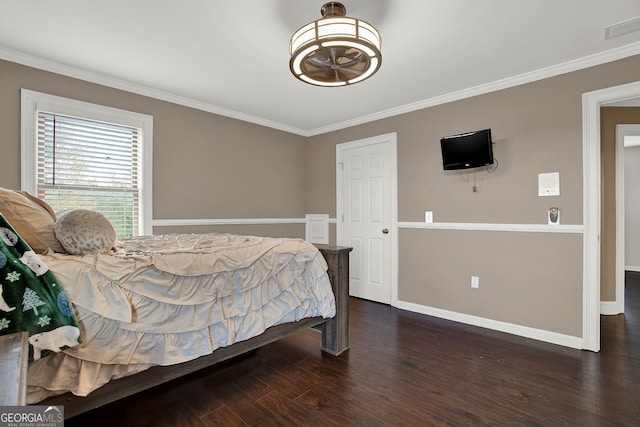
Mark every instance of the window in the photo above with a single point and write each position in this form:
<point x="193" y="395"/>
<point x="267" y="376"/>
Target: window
<point x="77" y="155"/>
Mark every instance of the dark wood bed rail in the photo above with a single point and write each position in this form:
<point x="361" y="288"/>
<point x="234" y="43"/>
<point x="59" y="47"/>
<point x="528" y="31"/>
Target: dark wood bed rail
<point x="335" y="332"/>
<point x="335" y="340"/>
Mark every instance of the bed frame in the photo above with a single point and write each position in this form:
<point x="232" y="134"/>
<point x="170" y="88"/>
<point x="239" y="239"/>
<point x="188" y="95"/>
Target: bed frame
<point x="335" y="340"/>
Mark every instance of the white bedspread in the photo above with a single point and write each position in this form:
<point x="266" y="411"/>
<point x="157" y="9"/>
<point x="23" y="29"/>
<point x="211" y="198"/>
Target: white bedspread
<point x="162" y="300"/>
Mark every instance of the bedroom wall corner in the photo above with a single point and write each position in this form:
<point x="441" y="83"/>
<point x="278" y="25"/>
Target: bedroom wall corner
<point x="204" y="165"/>
<point x="537" y="128"/>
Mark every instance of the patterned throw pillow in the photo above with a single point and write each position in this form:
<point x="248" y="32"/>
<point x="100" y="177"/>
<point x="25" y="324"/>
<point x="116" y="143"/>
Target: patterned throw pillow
<point x="32" y="219"/>
<point x="83" y="232"/>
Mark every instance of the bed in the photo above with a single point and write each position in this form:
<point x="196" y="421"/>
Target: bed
<point x="153" y="308"/>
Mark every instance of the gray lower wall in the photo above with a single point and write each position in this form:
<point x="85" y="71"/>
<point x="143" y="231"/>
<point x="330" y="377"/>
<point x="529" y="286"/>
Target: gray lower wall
<point x="528" y="279"/>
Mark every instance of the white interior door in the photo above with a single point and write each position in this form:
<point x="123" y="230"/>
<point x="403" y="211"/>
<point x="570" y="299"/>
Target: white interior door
<point x="366" y="218"/>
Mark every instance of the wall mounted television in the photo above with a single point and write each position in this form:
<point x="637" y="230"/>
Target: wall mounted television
<point x="467" y="150"/>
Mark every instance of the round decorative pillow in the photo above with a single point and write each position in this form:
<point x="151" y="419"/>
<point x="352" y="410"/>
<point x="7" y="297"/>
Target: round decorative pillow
<point x="83" y="232"/>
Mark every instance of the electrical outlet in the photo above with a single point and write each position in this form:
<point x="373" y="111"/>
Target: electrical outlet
<point x="475" y="282"/>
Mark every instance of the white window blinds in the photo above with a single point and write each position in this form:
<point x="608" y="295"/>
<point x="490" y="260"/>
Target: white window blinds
<point x="86" y="164"/>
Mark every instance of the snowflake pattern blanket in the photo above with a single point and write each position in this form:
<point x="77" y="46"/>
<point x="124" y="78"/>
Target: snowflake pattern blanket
<point x="31" y="298"/>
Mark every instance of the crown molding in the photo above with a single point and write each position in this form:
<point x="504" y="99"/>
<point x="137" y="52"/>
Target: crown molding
<point x="101" y="79"/>
<point x="93" y="77"/>
<point x="543" y="73"/>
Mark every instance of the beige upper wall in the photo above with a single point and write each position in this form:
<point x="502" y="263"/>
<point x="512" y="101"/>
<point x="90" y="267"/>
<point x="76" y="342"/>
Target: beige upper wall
<point x="537" y="127"/>
<point x="204" y="165"/>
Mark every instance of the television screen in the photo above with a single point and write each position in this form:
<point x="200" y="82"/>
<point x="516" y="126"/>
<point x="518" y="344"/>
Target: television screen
<point x="467" y="150"/>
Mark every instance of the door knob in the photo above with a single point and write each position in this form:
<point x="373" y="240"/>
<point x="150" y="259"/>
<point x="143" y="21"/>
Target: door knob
<point x="385" y="231"/>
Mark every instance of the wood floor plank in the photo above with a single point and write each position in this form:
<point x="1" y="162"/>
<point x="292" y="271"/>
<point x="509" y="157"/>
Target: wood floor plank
<point x="295" y="413"/>
<point x="222" y="417"/>
<point x="248" y="409"/>
<point x="253" y="386"/>
<point x="406" y="369"/>
<point x="180" y="414"/>
<point x="281" y="381"/>
<point x="318" y="404"/>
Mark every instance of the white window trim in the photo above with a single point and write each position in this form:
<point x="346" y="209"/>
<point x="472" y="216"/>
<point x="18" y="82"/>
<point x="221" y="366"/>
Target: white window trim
<point x="32" y="102"/>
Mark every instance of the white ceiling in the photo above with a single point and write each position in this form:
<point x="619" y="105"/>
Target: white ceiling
<point x="231" y="57"/>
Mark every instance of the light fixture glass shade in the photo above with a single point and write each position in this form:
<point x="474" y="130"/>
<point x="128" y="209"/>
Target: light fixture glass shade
<point x="336" y="50"/>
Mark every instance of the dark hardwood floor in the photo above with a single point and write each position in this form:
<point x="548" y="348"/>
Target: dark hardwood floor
<point x="406" y="369"/>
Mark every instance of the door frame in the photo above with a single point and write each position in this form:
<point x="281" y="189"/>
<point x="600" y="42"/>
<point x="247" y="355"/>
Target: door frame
<point x="391" y="140"/>
<point x="591" y="168"/>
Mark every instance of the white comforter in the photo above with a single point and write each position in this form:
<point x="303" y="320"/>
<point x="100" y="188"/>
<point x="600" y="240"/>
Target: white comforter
<point x="162" y="300"/>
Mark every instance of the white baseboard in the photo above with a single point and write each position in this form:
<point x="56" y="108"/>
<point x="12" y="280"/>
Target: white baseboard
<point x="632" y="268"/>
<point x="523" y="331"/>
<point x="610" y="308"/>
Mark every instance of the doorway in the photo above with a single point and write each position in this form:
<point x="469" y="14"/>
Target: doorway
<point x="366" y="208"/>
<point x="624" y="134"/>
<point x="591" y="103"/>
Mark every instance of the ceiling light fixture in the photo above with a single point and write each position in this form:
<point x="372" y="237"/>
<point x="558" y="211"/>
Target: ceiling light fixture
<point x="336" y="50"/>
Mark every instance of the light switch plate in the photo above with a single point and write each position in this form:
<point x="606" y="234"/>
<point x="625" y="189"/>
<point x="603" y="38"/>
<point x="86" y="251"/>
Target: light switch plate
<point x="475" y="282"/>
<point x="428" y="216"/>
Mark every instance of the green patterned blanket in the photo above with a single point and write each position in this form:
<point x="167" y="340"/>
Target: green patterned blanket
<point x="31" y="299"/>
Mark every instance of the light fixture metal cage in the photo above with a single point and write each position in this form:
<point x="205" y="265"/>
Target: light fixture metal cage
<point x="336" y="50"/>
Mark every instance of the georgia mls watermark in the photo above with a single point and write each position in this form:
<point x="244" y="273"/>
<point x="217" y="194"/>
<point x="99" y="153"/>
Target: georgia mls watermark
<point x="31" y="416"/>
